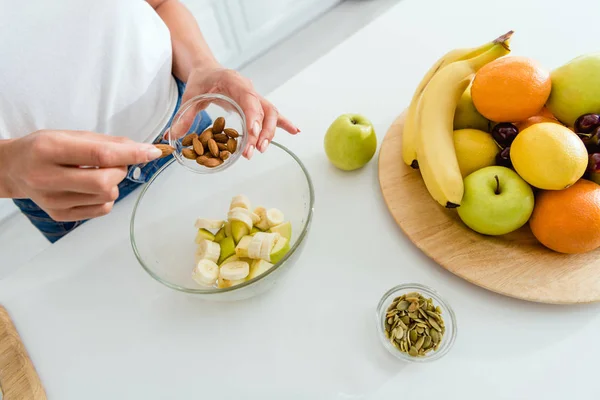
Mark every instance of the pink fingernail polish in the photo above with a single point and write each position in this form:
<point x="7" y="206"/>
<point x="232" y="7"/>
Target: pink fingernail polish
<point x="255" y="129"/>
<point x="250" y="151"/>
<point x="264" y="145"/>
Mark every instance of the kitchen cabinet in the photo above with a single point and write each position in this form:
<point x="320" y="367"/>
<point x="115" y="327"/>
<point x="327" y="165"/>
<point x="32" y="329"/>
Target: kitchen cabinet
<point x="239" y="30"/>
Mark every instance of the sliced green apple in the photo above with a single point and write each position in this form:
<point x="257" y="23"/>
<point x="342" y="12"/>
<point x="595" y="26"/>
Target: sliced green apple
<point x="204" y="234"/>
<point x="239" y="230"/>
<point x="241" y="250"/>
<point x="258" y="267"/>
<point x="228" y="229"/>
<point x="220" y="235"/>
<point x="284" y="230"/>
<point x="254" y="230"/>
<point x="227" y="249"/>
<point x="282" y="246"/>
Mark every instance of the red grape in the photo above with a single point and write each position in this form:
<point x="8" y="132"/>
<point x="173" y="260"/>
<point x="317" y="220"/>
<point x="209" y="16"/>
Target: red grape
<point x="587" y="123"/>
<point x="504" y="133"/>
<point x="503" y="158"/>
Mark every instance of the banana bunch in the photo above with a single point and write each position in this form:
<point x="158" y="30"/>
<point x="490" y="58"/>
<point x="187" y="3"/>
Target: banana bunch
<point x="427" y="138"/>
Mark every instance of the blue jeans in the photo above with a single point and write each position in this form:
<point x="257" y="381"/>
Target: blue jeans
<point x="54" y="230"/>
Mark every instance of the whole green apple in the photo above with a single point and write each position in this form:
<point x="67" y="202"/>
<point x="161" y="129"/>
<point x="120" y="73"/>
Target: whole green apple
<point x="466" y="115"/>
<point x="575" y="89"/>
<point x="496" y="201"/>
<point x="350" y="142"/>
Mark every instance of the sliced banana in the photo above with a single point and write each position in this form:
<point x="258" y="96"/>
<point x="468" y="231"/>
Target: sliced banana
<point x="242" y="216"/>
<point x="268" y="242"/>
<point x="262" y="224"/>
<point x="254" y="247"/>
<point x="202" y="223"/>
<point x="205" y="273"/>
<point x="235" y="270"/>
<point x="274" y="217"/>
<point x="208" y="250"/>
<point x="240" y="201"/>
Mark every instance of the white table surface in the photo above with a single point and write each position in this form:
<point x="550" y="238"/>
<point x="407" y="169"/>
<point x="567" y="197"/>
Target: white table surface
<point x="97" y="326"/>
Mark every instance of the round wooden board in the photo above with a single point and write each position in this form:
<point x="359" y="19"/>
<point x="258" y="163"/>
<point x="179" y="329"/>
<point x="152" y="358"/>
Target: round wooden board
<point x="514" y="265"/>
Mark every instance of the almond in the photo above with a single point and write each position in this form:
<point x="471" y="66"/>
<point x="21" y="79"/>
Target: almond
<point x="189" y="153"/>
<point x="224" y="155"/>
<point x="231" y="145"/>
<point x="198" y="148"/>
<point x="166" y="149"/>
<point x="220" y="138"/>
<point x="207" y="134"/>
<point x="218" y="125"/>
<point x="202" y="160"/>
<point x="232" y="133"/>
<point x="213" y="162"/>
<point x="222" y="146"/>
<point x="213" y="148"/>
<point x="187" y="141"/>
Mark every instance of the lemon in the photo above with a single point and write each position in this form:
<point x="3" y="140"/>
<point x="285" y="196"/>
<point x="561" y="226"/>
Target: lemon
<point x="475" y="149"/>
<point x="549" y="156"/>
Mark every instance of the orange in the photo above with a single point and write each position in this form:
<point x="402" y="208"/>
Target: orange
<point x="510" y="89"/>
<point x="568" y="221"/>
<point x="536" y="119"/>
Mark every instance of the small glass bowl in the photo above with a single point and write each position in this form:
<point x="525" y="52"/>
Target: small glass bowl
<point x="190" y="114"/>
<point x="447" y="314"/>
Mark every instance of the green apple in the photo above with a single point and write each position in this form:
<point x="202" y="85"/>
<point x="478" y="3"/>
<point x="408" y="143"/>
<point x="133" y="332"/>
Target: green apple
<point x="350" y="142"/>
<point x="204" y="234"/>
<point x="258" y="267"/>
<point x="284" y="230"/>
<point x="227" y="249"/>
<point x="466" y="115"/>
<point x="254" y="230"/>
<point x="220" y="235"/>
<point x="241" y="250"/>
<point x="575" y="89"/>
<point x="238" y="230"/>
<point x="496" y="201"/>
<point x="282" y="246"/>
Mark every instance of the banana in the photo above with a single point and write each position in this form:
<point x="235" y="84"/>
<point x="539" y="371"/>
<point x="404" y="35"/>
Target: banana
<point x="202" y="223"/>
<point x="262" y="224"/>
<point x="435" y="147"/>
<point x="205" y="273"/>
<point x="254" y="247"/>
<point x="208" y="250"/>
<point x="240" y="201"/>
<point x="235" y="270"/>
<point x="410" y="131"/>
<point x="267" y="245"/>
<point x="274" y="217"/>
<point x="242" y="216"/>
<point x="255" y="218"/>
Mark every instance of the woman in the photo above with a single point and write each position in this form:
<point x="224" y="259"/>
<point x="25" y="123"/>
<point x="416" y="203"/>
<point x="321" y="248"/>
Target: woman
<point x="94" y="83"/>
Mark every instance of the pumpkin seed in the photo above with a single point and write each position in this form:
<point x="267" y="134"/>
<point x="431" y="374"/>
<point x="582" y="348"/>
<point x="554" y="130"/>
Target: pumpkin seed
<point x="414" y="325"/>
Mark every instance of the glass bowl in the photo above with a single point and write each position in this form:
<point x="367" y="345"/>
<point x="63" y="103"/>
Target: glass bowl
<point x="447" y="314"/>
<point x="162" y="229"/>
<point x="203" y="110"/>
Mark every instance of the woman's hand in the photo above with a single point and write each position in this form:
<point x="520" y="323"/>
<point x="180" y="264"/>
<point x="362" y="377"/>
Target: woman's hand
<point x="70" y="175"/>
<point x="262" y="118"/>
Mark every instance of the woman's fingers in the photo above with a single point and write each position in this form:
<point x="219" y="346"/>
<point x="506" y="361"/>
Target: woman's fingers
<point x="250" y="103"/>
<point x="81" y="212"/>
<point x="269" y="125"/>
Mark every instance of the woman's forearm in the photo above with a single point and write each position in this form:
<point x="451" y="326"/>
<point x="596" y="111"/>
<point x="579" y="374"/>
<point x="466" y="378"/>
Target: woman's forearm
<point x="190" y="50"/>
<point x="5" y="189"/>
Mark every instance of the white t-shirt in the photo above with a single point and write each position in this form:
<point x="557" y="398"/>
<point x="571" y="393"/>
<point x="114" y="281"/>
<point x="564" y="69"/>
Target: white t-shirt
<point x="97" y="65"/>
